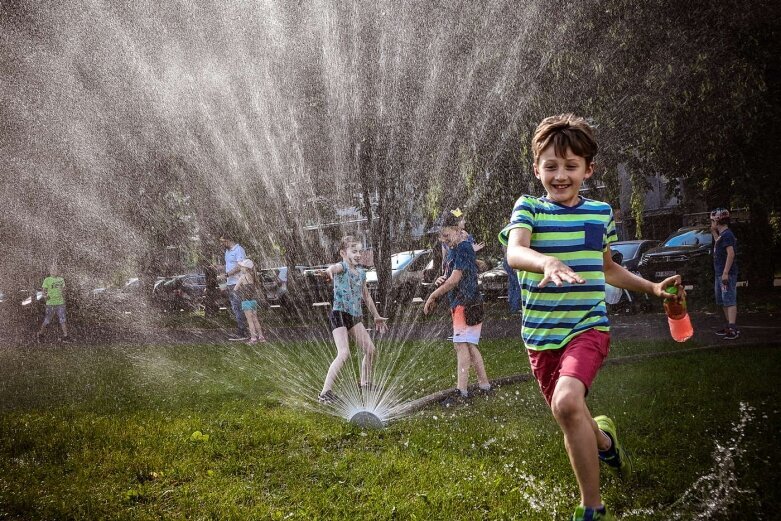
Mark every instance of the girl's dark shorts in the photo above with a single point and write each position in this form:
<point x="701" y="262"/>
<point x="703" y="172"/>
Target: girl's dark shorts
<point x="341" y="319"/>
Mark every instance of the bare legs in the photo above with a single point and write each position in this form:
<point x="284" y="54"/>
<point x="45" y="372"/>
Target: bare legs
<point x="254" y="324"/>
<point x="731" y="314"/>
<point x="468" y="355"/>
<point x="582" y="437"/>
<point x="342" y="340"/>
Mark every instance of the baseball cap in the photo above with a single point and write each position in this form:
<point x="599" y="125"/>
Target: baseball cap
<point x="719" y="214"/>
<point x="246" y="263"/>
<point x="447" y="219"/>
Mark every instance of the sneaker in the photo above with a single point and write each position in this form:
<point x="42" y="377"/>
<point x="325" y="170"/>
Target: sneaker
<point x="66" y="339"/>
<point x="732" y="334"/>
<point x="453" y="399"/>
<point x="238" y="338"/>
<point x="328" y="397"/>
<point x="590" y="514"/>
<point x="722" y="331"/>
<point x="615" y="457"/>
<point x="252" y="341"/>
<point x="483" y="392"/>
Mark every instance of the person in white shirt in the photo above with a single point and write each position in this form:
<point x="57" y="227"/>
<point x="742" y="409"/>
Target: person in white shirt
<point x="234" y="253"/>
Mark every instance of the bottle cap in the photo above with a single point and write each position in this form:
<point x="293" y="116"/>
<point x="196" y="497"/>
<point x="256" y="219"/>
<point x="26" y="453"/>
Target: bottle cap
<point x="673" y="290"/>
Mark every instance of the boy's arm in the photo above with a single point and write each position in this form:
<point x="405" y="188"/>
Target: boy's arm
<point x="728" y="263"/>
<point x="618" y="276"/>
<point x="521" y="257"/>
<point x="445" y="287"/>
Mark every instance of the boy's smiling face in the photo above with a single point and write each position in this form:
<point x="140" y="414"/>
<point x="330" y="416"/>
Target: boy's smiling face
<point x="450" y="235"/>
<point x="562" y="177"/>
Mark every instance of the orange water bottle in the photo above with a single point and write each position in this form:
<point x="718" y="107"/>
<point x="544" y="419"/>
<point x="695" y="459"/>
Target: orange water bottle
<point x="677" y="317"/>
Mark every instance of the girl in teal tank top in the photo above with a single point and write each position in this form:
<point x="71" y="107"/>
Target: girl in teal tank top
<point x="350" y="292"/>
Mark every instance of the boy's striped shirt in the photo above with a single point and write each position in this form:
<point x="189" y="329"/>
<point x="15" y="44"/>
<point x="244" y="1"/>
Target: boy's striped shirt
<point x="578" y="236"/>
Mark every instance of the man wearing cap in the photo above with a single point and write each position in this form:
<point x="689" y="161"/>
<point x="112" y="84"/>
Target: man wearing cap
<point x="233" y="254"/>
<point x="726" y="270"/>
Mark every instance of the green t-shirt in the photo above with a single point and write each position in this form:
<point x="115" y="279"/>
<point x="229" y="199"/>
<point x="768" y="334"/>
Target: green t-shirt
<point x="54" y="287"/>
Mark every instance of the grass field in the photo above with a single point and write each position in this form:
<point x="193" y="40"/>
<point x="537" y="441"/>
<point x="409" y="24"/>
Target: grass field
<point x="209" y="432"/>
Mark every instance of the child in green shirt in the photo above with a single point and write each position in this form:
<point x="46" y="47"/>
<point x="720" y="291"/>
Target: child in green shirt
<point x="54" y="292"/>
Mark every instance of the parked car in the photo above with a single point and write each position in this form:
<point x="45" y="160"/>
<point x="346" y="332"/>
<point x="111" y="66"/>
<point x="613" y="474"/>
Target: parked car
<point x="127" y="298"/>
<point x="310" y="285"/>
<point x="494" y="282"/>
<point x="632" y="251"/>
<point x="628" y="254"/>
<point x="184" y="292"/>
<point x="274" y="284"/>
<point x="407" y="276"/>
<point x="687" y="252"/>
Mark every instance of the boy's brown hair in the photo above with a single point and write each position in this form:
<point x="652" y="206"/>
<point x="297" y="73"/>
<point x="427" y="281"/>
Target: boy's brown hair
<point x="565" y="131"/>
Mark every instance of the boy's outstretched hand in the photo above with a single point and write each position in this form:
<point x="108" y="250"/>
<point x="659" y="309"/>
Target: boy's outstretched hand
<point x="558" y="273"/>
<point x="431" y="303"/>
<point x="675" y="280"/>
<point x="381" y="323"/>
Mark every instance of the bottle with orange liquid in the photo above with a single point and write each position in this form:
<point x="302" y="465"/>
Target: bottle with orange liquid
<point x="677" y="317"/>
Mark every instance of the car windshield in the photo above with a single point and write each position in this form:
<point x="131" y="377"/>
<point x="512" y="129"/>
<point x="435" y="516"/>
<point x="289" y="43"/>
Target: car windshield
<point x="689" y="238"/>
<point x="399" y="261"/>
<point x="627" y="250"/>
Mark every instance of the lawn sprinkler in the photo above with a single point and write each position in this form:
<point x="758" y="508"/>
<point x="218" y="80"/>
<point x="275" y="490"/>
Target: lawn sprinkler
<point x="367" y="420"/>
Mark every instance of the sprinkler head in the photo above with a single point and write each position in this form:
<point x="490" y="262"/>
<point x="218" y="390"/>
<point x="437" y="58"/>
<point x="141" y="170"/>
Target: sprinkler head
<point x="367" y="420"/>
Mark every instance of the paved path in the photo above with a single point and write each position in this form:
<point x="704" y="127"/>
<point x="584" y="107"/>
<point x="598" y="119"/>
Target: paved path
<point x="755" y="328"/>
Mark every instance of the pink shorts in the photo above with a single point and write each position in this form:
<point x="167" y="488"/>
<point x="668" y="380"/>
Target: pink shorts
<point x="463" y="333"/>
<point x="581" y="358"/>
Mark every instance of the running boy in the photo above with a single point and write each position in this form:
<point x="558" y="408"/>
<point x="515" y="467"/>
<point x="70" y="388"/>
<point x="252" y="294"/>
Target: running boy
<point x="346" y="314"/>
<point x="54" y="292"/>
<point x="560" y="243"/>
<point x="466" y="303"/>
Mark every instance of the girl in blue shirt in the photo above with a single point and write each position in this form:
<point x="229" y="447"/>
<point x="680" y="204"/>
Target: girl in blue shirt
<point x="346" y="315"/>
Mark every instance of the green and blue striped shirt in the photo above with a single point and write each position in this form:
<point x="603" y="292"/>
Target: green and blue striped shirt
<point x="578" y="236"/>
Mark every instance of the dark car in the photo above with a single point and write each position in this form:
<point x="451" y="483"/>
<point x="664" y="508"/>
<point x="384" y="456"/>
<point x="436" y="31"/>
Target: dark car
<point x="184" y="292"/>
<point x="309" y="286"/>
<point x="494" y="283"/>
<point x="632" y="251"/>
<point x="275" y="290"/>
<point x="687" y="252"/>
<point x="126" y="298"/>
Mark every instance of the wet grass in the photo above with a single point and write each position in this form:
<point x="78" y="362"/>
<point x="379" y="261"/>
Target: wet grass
<point x="200" y="432"/>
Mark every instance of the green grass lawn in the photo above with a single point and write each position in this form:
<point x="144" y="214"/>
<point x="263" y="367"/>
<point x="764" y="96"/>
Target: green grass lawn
<point x="112" y="433"/>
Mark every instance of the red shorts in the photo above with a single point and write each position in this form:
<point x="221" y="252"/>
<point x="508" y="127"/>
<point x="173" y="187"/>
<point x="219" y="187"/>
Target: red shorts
<point x="581" y="358"/>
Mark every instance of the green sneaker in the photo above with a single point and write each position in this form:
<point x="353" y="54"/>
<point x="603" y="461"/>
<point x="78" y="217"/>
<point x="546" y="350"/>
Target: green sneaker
<point x="616" y="457"/>
<point x="589" y="514"/>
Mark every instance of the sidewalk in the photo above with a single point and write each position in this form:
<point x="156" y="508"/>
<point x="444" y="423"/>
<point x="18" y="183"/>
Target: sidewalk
<point x="756" y="328"/>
